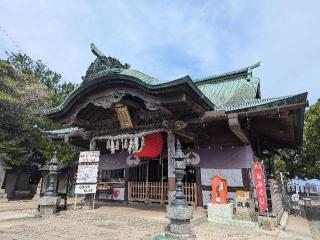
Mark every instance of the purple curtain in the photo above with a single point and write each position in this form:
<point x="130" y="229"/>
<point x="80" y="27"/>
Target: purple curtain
<point x="225" y="158"/>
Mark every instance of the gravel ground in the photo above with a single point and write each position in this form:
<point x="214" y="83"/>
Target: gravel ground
<point x="113" y="222"/>
<point x="80" y="225"/>
<point x="211" y="231"/>
<point x="313" y="215"/>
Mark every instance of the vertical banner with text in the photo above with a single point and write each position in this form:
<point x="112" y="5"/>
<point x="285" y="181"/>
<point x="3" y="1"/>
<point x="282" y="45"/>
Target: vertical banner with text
<point x="258" y="175"/>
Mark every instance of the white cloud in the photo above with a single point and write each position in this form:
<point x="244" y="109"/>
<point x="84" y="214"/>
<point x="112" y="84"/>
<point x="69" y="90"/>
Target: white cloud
<point x="169" y="39"/>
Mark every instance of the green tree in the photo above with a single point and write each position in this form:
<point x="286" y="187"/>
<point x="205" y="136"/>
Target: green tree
<point x="305" y="161"/>
<point x="27" y="88"/>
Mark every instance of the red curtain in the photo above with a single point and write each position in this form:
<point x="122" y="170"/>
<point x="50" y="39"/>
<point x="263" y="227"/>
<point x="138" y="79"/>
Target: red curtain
<point x="153" y="145"/>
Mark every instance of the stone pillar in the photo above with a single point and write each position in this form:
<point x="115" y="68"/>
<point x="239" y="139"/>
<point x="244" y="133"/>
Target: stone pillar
<point x="50" y="201"/>
<point x="171" y="175"/>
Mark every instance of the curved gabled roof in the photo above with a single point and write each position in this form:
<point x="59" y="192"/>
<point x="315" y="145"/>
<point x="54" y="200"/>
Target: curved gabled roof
<point x="135" y="77"/>
<point x="232" y="91"/>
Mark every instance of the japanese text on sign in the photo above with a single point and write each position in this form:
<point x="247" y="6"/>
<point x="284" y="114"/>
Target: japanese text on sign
<point x="89" y="157"/>
<point x="87" y="172"/>
<point x="258" y="176"/>
<point x="85" y="188"/>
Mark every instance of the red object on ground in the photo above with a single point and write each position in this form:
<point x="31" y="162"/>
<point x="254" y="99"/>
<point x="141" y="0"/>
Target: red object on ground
<point x="219" y="190"/>
<point x="153" y="145"/>
<point x="258" y="177"/>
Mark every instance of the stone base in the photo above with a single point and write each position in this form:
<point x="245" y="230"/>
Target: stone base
<point x="49" y="205"/>
<point x="223" y="214"/>
<point x="179" y="227"/>
<point x="173" y="236"/>
<point x="246" y="214"/>
<point x="220" y="212"/>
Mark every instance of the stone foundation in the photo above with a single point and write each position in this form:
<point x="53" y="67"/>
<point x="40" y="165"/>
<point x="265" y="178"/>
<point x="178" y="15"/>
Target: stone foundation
<point x="49" y="205"/>
<point x="223" y="214"/>
<point x="220" y="212"/>
<point x="179" y="227"/>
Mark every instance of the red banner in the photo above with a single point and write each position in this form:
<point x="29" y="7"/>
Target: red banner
<point x="258" y="176"/>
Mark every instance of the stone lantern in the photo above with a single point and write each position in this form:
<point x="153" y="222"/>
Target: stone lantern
<point x="50" y="201"/>
<point x="178" y="211"/>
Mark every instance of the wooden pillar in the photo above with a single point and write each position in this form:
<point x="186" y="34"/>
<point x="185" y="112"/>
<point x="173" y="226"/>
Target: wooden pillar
<point x="171" y="175"/>
<point x="199" y="187"/>
<point x="126" y="185"/>
<point x="147" y="183"/>
<point x="161" y="161"/>
<point x="246" y="179"/>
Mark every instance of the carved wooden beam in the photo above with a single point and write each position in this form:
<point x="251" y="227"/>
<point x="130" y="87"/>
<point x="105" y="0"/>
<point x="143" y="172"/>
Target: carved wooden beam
<point x="235" y="127"/>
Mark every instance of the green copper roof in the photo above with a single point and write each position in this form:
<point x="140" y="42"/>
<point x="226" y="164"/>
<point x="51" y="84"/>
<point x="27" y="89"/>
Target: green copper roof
<point x="230" y="88"/>
<point x="263" y="103"/>
<point x="141" y="76"/>
<point x="231" y="91"/>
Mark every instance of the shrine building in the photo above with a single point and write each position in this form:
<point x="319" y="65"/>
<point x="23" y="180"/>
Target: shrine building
<point x="134" y="120"/>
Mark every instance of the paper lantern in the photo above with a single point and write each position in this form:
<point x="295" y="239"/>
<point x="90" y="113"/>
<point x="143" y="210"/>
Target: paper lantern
<point x="152" y="147"/>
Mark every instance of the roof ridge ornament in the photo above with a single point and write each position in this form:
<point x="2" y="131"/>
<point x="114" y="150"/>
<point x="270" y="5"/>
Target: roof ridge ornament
<point x="96" y="51"/>
<point x="102" y="63"/>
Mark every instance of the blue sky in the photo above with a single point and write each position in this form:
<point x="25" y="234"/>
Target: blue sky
<point x="170" y="39"/>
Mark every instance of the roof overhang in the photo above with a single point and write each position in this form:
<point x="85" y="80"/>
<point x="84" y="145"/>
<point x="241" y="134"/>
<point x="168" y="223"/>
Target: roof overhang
<point x="169" y="94"/>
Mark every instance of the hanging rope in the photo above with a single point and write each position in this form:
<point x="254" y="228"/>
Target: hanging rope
<point x="132" y="142"/>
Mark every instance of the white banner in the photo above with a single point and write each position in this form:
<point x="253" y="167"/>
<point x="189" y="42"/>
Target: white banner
<point x="233" y="176"/>
<point x="85" y="189"/>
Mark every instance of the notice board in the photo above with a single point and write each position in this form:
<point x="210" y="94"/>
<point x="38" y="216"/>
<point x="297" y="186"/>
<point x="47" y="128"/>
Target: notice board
<point x="87" y="175"/>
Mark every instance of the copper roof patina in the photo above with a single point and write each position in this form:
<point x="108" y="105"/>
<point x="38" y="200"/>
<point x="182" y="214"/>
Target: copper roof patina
<point x="233" y="91"/>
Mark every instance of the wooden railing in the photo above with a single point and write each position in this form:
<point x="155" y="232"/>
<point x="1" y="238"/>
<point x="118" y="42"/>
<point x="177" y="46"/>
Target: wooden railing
<point x="190" y="191"/>
<point x="158" y="192"/>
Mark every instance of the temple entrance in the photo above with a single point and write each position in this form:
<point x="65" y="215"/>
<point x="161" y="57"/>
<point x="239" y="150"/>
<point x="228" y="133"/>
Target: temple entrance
<point x="147" y="182"/>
